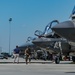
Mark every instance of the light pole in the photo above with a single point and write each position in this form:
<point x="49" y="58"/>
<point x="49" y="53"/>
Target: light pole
<point x="10" y="19"/>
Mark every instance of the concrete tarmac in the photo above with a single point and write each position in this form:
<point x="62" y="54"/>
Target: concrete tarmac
<point x="64" y="68"/>
<point x="21" y="60"/>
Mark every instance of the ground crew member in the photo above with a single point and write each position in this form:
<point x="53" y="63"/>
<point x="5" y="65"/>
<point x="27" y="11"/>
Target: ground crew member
<point x="16" y="54"/>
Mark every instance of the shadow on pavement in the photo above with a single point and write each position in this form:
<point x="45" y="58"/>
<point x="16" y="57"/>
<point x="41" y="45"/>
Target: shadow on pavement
<point x="69" y="72"/>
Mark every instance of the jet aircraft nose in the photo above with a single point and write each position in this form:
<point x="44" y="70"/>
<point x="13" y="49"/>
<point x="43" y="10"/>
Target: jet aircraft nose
<point x="65" y="29"/>
<point x="37" y="41"/>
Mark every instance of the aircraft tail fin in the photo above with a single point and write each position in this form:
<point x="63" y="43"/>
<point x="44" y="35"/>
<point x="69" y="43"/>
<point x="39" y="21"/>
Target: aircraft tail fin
<point x="73" y="12"/>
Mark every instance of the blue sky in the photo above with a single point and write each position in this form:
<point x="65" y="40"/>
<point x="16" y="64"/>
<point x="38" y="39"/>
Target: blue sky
<point x="28" y="16"/>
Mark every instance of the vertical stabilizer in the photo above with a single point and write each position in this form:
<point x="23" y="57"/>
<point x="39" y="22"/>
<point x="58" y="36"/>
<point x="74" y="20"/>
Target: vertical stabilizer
<point x="72" y="16"/>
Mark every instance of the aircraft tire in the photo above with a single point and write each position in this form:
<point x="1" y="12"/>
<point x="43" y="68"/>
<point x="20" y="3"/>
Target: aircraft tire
<point x="73" y="58"/>
<point x="57" y="61"/>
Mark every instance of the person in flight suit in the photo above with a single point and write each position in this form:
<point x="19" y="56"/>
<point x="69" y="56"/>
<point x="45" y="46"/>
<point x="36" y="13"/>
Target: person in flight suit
<point x="28" y="54"/>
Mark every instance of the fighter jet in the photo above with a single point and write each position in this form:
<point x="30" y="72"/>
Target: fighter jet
<point x="67" y="30"/>
<point x="28" y="43"/>
<point x="51" y="39"/>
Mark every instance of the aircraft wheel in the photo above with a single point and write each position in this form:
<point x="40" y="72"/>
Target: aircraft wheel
<point x="57" y="61"/>
<point x="73" y="58"/>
